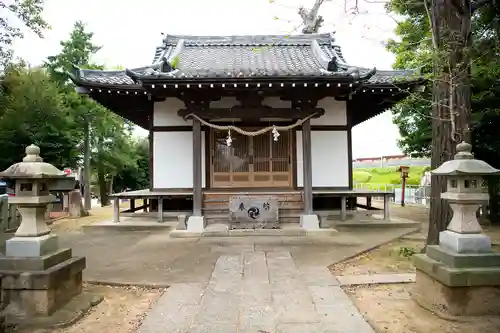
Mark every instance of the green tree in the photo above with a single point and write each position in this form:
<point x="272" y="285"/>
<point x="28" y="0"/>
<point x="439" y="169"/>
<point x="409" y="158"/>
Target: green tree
<point x="33" y="111"/>
<point x="29" y="12"/>
<point x="136" y="175"/>
<point x="109" y="135"/>
<point x="415" y="50"/>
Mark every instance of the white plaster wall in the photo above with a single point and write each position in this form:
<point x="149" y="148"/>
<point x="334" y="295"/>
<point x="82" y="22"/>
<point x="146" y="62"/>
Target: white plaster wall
<point x="335" y="112"/>
<point x="165" y="113"/>
<point x="173" y="159"/>
<point x="330" y="159"/>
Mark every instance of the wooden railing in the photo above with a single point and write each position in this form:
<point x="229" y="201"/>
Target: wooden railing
<point x="9" y="216"/>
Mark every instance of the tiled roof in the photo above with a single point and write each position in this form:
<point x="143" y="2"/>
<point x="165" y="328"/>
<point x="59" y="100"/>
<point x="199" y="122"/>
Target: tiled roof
<point x="217" y="57"/>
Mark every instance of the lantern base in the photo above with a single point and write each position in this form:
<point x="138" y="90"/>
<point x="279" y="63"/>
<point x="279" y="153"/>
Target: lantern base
<point x="31" y="246"/>
<point x="40" y="286"/>
<point x="464" y="243"/>
<point x="457" y="284"/>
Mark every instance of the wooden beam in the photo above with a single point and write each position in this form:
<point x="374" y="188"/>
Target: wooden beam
<point x="197" y="168"/>
<point x="253" y="113"/>
<point x="307" y="165"/>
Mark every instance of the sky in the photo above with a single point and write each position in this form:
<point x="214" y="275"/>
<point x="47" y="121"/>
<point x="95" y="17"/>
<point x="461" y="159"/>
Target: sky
<point x="129" y="31"/>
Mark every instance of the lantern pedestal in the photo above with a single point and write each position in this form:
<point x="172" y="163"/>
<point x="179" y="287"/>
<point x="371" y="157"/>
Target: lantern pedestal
<point x="457" y="284"/>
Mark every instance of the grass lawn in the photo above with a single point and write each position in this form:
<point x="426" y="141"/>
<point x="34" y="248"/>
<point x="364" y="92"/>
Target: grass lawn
<point x="388" y="175"/>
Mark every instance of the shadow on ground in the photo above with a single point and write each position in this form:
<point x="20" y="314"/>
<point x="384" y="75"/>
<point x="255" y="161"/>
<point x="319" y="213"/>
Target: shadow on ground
<point x="142" y="257"/>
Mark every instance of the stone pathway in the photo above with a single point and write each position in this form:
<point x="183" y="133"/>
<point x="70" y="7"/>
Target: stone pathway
<point x="257" y="292"/>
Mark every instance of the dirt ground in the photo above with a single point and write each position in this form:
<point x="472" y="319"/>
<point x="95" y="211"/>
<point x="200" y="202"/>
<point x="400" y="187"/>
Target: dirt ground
<point x="97" y="214"/>
<point x="394" y="257"/>
<point x="121" y="311"/>
<point x="390" y="309"/>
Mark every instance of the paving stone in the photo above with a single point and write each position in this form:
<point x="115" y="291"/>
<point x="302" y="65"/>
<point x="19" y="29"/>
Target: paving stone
<point x="211" y="327"/>
<point x="294" y="308"/>
<point x="376" y="279"/>
<point x="256" y="318"/>
<point x="257" y="292"/>
<point x="337" y="311"/>
<point x="175" y="311"/>
<point x="300" y="328"/>
<point x="255" y="266"/>
<point x="318" y="276"/>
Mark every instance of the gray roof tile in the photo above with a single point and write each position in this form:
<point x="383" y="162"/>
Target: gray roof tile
<point x="244" y="57"/>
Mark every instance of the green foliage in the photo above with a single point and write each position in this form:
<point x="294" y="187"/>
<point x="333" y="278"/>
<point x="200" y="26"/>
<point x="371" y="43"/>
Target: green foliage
<point x="407" y="252"/>
<point x="136" y="175"/>
<point x="76" y="51"/>
<point x="414" y="49"/>
<point x="33" y="111"/>
<point x="29" y="13"/>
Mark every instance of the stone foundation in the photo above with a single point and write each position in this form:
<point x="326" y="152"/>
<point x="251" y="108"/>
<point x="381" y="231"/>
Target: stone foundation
<point x="37" y="290"/>
<point x="456" y="301"/>
<point x="458" y="284"/>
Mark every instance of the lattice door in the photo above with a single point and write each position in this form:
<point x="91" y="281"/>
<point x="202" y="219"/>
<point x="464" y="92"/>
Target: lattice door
<point x="251" y="161"/>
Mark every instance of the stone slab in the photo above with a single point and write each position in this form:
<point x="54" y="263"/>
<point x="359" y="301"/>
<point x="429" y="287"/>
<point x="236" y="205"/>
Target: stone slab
<point x="309" y="222"/>
<point x="256" y="209"/>
<point x="176" y="309"/>
<point x="31" y="246"/>
<point x="195" y="224"/>
<point x="66" y="316"/>
<point x="337" y="311"/>
<point x="463" y="260"/>
<point x="318" y="276"/>
<point x="465" y="243"/>
<point x="452" y="301"/>
<point x="43" y="279"/>
<point x="350" y="280"/>
<point x="457" y="277"/>
<point x="34" y="263"/>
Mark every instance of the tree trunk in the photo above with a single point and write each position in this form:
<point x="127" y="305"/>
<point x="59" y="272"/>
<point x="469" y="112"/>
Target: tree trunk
<point x="87" y="199"/>
<point x="103" y="189"/>
<point x="451" y="30"/>
<point x="494" y="202"/>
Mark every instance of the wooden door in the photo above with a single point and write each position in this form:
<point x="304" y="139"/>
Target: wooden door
<point x="257" y="161"/>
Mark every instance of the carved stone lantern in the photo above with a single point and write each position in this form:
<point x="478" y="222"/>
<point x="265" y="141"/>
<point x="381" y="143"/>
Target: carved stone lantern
<point x="465" y="193"/>
<point x="461" y="275"/>
<point x="38" y="277"/>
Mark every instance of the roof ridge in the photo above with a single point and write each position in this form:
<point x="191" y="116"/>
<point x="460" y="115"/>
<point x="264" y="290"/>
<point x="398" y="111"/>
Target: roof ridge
<point x="249" y="39"/>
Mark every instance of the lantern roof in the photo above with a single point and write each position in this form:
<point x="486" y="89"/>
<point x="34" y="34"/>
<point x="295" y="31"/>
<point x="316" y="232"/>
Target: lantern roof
<point x="464" y="163"/>
<point x="32" y="167"/>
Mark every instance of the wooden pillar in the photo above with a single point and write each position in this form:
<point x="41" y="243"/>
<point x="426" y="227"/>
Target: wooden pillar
<point x="132" y="204"/>
<point x="197" y="168"/>
<point x="160" y="209"/>
<point x="368" y="202"/>
<point x="145" y="203"/>
<point x="343" y="208"/>
<point x="307" y="165"/>
<point x="116" y="210"/>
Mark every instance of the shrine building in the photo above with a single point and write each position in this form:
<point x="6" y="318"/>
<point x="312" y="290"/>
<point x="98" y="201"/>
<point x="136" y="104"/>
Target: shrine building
<point x="248" y="115"/>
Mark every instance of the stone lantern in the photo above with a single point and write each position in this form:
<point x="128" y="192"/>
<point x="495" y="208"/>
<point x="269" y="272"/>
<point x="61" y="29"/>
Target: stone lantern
<point x="38" y="277"/>
<point x="461" y="275"/>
